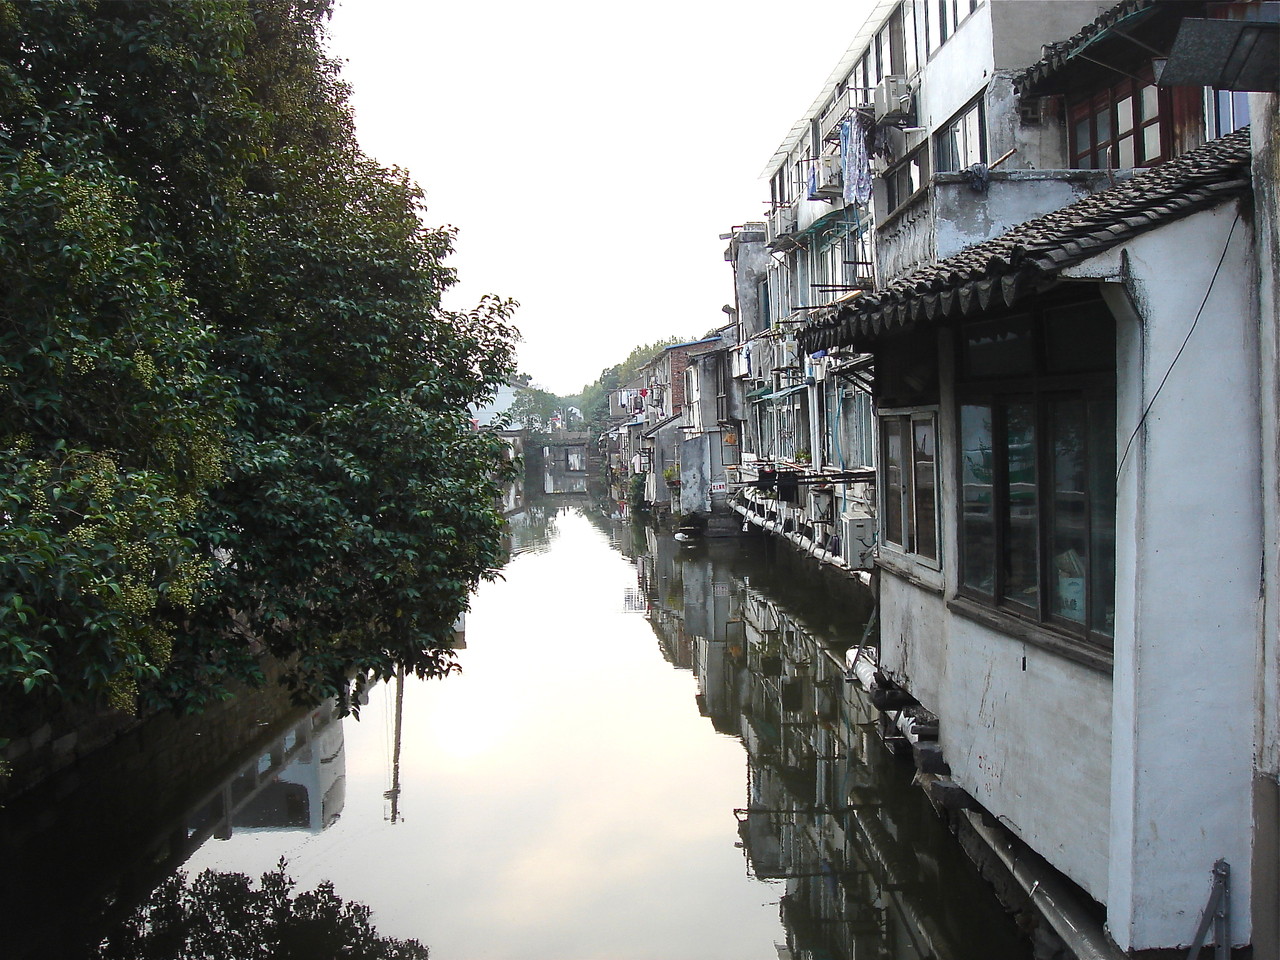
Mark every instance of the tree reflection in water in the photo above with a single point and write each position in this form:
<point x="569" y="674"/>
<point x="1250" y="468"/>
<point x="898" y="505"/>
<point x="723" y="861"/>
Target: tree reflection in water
<point x="220" y="915"/>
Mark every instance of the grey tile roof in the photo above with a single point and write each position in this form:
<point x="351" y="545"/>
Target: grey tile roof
<point x="1056" y="55"/>
<point x="1028" y="258"/>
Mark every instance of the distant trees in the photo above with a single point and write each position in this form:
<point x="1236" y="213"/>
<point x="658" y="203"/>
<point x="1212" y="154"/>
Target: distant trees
<point x="535" y="408"/>
<point x="232" y="411"/>
<point x="594" y="399"/>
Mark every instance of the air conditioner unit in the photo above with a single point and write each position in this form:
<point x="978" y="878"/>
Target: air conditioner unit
<point x="821" y="506"/>
<point x="783" y="222"/>
<point x="830" y="178"/>
<point x="788" y="353"/>
<point x="859" y="541"/>
<point x="893" y="99"/>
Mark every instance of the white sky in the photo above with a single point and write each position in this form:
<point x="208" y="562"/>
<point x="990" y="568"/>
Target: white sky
<point x="589" y="153"/>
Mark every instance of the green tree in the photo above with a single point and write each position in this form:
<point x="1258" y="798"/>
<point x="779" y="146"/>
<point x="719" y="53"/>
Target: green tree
<point x="234" y="411"/>
<point x="535" y="408"/>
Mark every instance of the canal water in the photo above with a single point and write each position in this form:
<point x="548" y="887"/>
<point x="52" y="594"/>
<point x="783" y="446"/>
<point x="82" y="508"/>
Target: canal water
<point x="651" y="752"/>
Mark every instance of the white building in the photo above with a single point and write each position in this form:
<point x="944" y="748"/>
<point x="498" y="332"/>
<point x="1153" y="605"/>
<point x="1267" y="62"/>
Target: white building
<point x="1076" y="393"/>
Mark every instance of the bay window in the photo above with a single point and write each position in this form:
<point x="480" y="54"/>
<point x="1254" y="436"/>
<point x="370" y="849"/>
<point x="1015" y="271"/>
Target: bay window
<point x="1036" y="425"/>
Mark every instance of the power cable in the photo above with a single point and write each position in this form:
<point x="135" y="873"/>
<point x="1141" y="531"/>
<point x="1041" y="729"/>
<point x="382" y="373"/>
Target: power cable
<point x="1185" y="340"/>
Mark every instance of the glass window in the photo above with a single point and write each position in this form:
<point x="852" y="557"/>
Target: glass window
<point x="910" y="39"/>
<point x="977" y="485"/>
<point x="906" y="179"/>
<point x="1068" y="529"/>
<point x="1119" y="126"/>
<point x="999" y="348"/>
<point x="1230" y="111"/>
<point x="891" y="437"/>
<point x="1021" y="507"/>
<point x="924" y="481"/>
<point x="1037" y="466"/>
<point x="960" y="143"/>
<point x="910" y="509"/>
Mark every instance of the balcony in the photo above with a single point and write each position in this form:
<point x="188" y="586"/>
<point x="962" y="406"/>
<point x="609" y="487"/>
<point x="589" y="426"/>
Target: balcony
<point x="950" y="215"/>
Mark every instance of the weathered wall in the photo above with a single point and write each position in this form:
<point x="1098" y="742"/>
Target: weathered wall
<point x="1188" y="555"/>
<point x="1266" y="177"/>
<point x="964" y="217"/>
<point x="1029" y="738"/>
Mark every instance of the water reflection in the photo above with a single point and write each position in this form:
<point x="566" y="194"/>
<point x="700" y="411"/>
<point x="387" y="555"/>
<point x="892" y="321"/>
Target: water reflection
<point x="568" y="795"/>
<point x="296" y="782"/>
<point x="224" y="915"/>
<point x="869" y="869"/>
<point x="87" y="846"/>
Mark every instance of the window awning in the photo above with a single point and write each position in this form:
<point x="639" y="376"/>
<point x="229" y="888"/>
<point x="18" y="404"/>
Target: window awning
<point x="784" y="392"/>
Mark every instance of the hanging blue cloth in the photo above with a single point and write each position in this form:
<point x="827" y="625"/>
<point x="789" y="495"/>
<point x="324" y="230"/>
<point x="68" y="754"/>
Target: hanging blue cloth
<point x="855" y="164"/>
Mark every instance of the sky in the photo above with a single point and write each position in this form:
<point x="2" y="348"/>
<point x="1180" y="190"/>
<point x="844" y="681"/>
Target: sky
<point x="589" y="154"/>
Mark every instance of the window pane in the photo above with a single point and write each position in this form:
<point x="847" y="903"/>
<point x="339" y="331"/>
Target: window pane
<point x="1124" y="115"/>
<point x="909" y="39"/>
<point x="999" y="348"/>
<point x="1239" y="110"/>
<point x="1021" y="507"/>
<point x="1150" y="102"/>
<point x="948" y="150"/>
<point x="1083" y="137"/>
<point x="1103" y="119"/>
<point x="973" y="136"/>
<point x="1102" y="516"/>
<point x="1068" y="524"/>
<point x="925" y="483"/>
<point x="1080" y="337"/>
<point x="1125" y="155"/>
<point x="894" y="456"/>
<point x="977" y="530"/>
<point x="1151" y="143"/>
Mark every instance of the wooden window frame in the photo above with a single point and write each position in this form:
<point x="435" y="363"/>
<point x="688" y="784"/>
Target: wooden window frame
<point x="1122" y="102"/>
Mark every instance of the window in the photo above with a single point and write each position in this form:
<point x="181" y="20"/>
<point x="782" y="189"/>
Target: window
<point x="1036" y="401"/>
<point x="906" y="179"/>
<point x="1120" y="126"/>
<point x="575" y="459"/>
<point x="910" y="481"/>
<point x="962" y="142"/>
<point x="944" y="17"/>
<point x="1228" y="110"/>
<point x="910" y="39"/>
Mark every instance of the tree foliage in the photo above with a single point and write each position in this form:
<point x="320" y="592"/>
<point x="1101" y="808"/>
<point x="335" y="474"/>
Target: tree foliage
<point x="232" y="410"/>
<point x="535" y="408"/>
<point x="593" y="401"/>
<point x="224" y="915"/>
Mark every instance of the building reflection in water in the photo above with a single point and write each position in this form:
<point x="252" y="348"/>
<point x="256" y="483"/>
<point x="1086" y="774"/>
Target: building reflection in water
<point x="869" y="869"/>
<point x="297" y="782"/>
<point x="80" y="860"/>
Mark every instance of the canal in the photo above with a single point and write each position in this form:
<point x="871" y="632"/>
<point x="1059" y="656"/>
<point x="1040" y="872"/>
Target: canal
<point x="651" y="752"/>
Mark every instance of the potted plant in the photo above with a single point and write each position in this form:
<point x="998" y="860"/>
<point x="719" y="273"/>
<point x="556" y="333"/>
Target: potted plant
<point x="672" y="475"/>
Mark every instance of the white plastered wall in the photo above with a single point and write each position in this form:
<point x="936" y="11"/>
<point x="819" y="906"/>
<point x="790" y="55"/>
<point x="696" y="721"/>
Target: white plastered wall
<point x="1188" y="559"/>
<point x="1131" y="784"/>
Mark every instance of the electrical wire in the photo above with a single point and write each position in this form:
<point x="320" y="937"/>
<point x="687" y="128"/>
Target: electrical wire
<point x="1185" y="340"/>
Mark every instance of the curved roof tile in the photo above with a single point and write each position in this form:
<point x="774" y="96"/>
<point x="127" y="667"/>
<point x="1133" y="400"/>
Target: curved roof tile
<point x="1031" y="254"/>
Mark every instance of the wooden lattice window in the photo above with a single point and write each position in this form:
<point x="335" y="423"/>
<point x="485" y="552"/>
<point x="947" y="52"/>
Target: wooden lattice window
<point x="1125" y="125"/>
